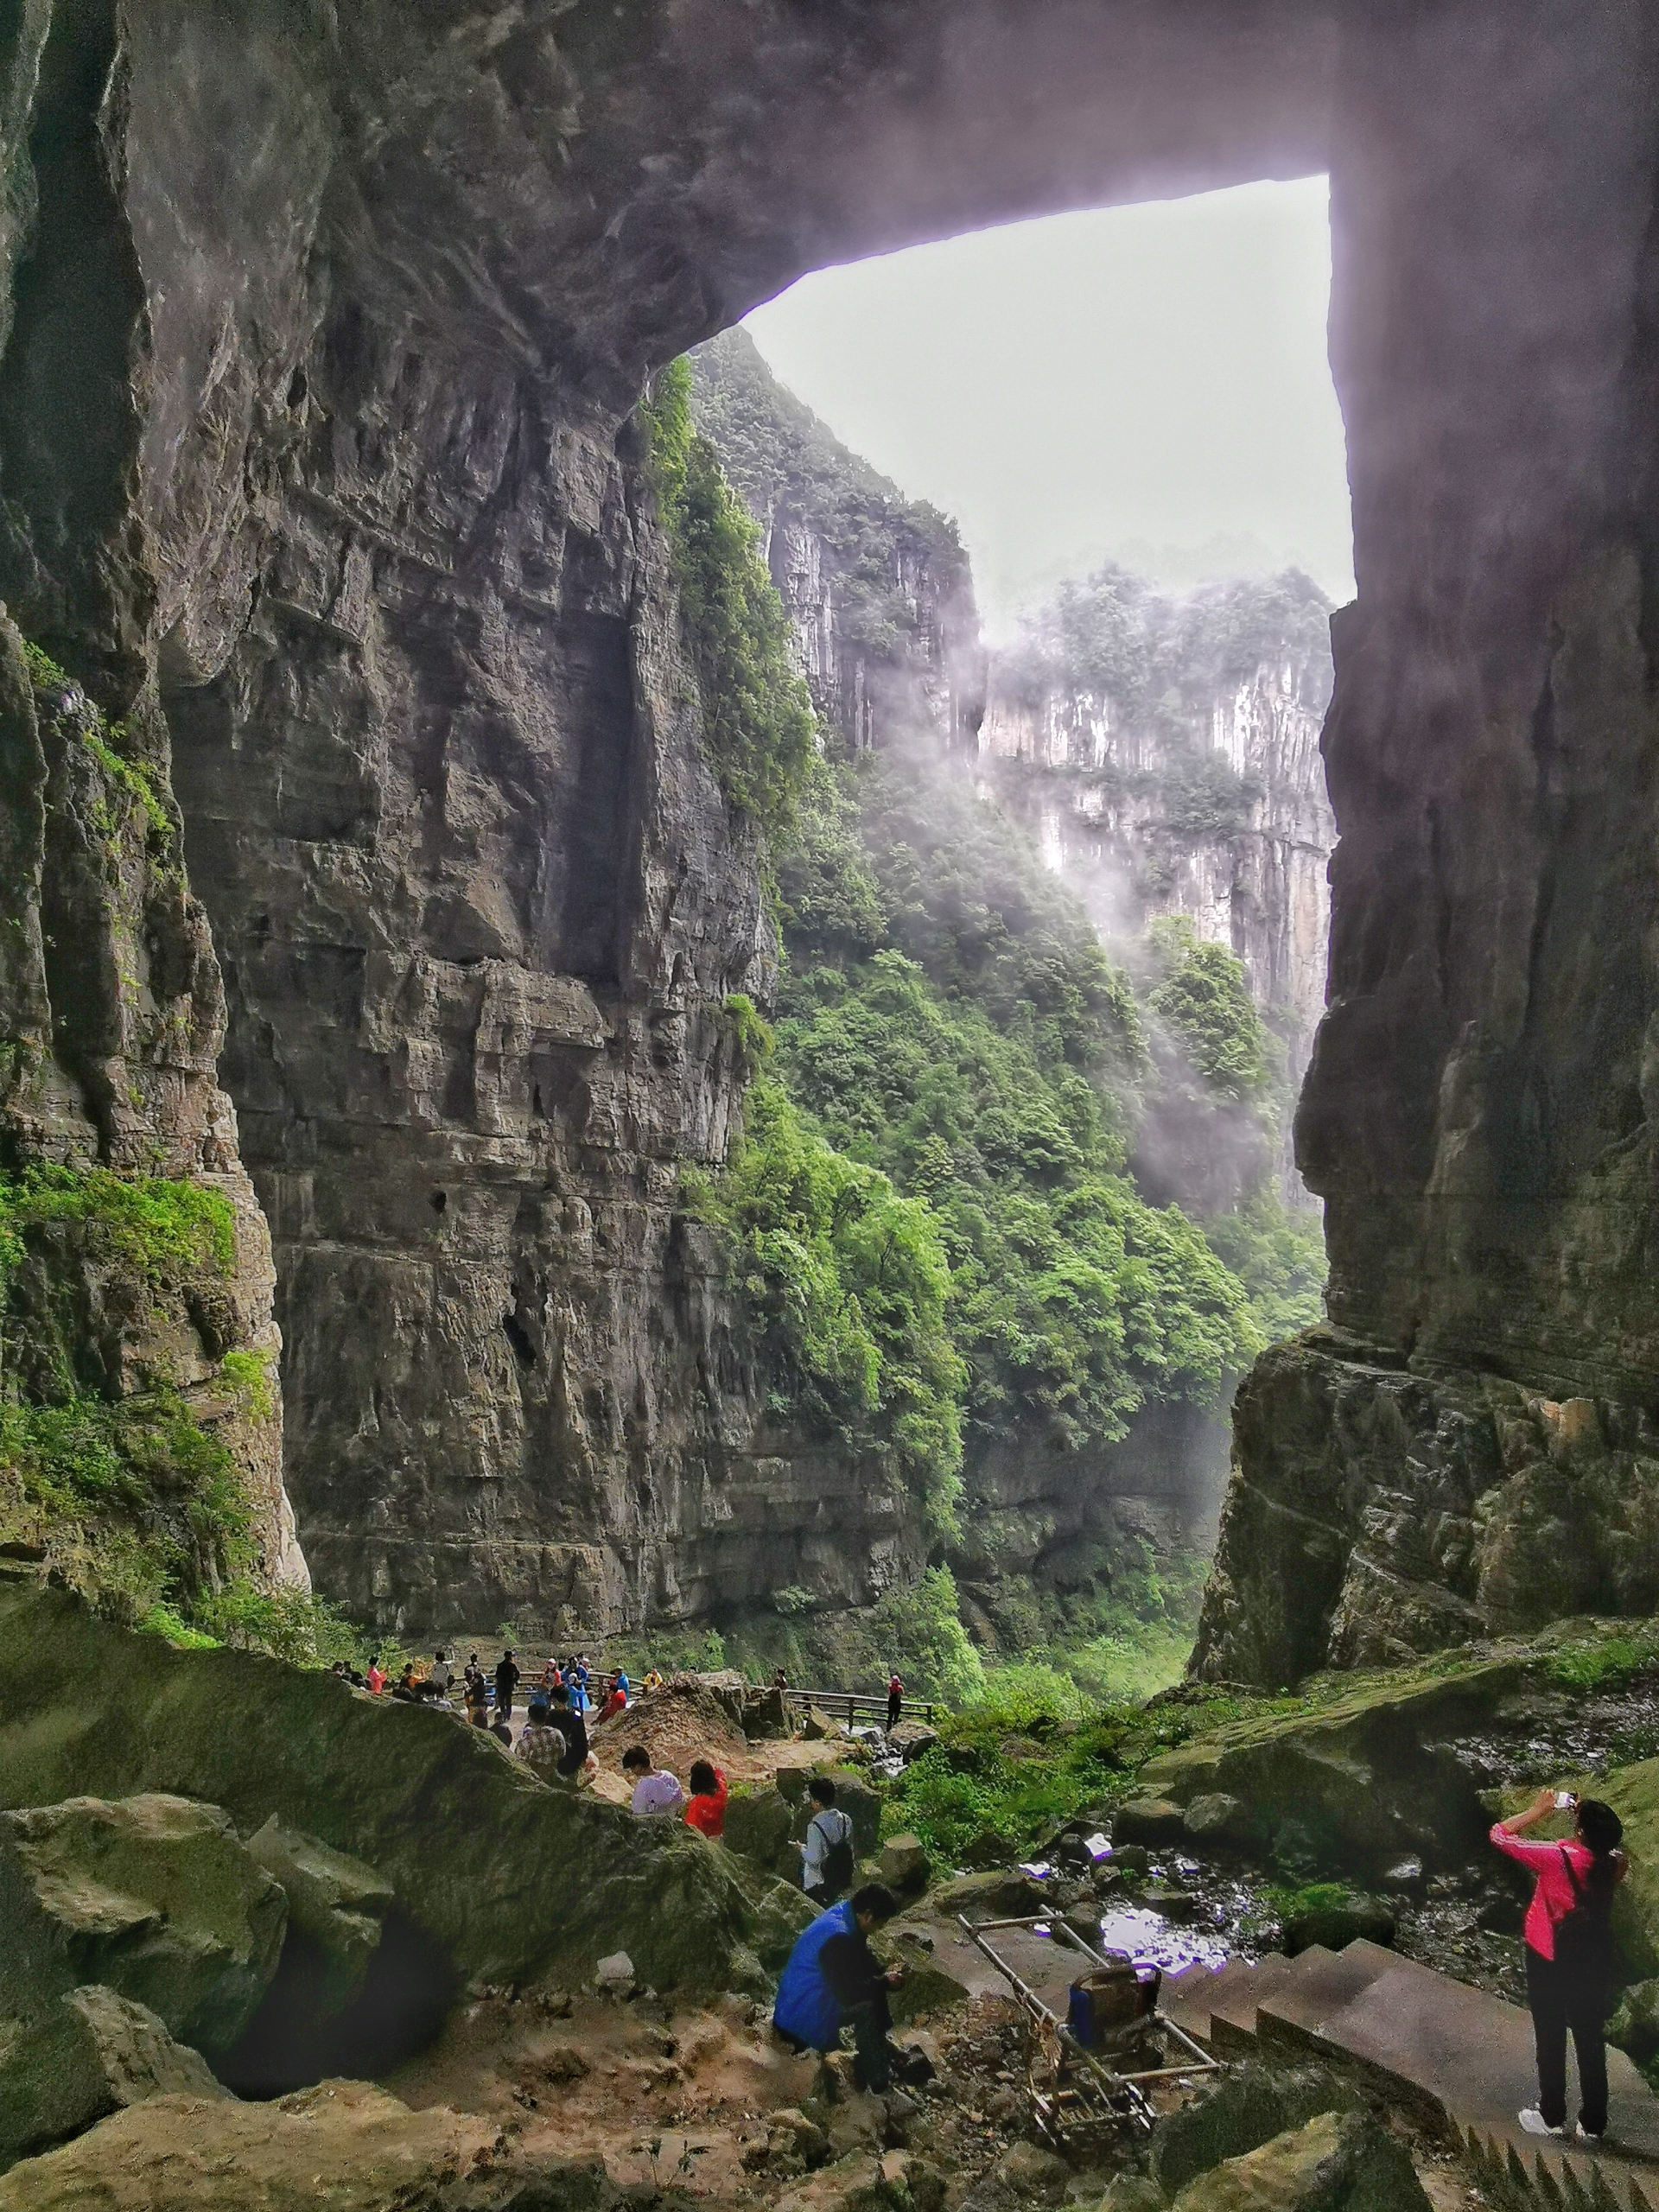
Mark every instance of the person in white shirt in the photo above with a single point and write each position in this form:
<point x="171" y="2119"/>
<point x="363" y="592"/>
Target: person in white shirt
<point x="440" y="1674"/>
<point x="654" y="1792"/>
<point x="827" y="1854"/>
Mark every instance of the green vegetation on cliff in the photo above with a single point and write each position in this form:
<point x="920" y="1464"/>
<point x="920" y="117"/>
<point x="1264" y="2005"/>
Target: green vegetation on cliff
<point x="1154" y="658"/>
<point x="758" y="721"/>
<point x="1206" y="1003"/>
<point x="931" y="1210"/>
<point x="151" y="1223"/>
<point x="847" y="1283"/>
<point x="133" y="1499"/>
<point x="782" y="461"/>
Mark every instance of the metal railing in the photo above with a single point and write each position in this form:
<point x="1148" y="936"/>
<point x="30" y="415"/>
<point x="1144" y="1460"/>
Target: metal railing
<point x="847" y="1705"/>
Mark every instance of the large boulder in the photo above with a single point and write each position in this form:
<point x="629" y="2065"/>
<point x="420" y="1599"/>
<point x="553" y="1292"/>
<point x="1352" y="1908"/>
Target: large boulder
<point x="1344" y="2161"/>
<point x="862" y="1806"/>
<point x="1241" y="2112"/>
<point x="336" y="1908"/>
<point x="904" y="1864"/>
<point x="765" y="1827"/>
<point x="152" y="1896"/>
<point x="1357" y="1782"/>
<point x="344" y="2144"/>
<point x="765" y="1714"/>
<point x="1151" y="1821"/>
<point x="88" y="2053"/>
<point x="385" y="1782"/>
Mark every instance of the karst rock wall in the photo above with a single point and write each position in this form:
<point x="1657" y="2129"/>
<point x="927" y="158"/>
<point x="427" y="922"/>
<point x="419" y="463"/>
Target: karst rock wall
<point x="322" y="326"/>
<point x="1092" y="788"/>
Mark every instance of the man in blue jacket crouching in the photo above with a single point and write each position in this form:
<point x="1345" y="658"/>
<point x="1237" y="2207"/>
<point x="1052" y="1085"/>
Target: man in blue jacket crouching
<point x="834" y="1980"/>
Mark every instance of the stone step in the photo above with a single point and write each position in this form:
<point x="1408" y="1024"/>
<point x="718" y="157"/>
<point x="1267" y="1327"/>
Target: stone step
<point x="1461" y="2061"/>
<point x="1185" y="1998"/>
<point x="1234" y="2011"/>
<point x="1521" y="2173"/>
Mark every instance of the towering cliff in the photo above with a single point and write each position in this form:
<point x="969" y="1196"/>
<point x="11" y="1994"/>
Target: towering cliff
<point x="320" y="329"/>
<point x="1166" y="753"/>
<point x="877" y="586"/>
<point x="947" y="1014"/>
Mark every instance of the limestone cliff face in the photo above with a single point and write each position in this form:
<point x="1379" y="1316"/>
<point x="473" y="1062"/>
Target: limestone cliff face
<point x="113" y="1017"/>
<point x="319" y="324"/>
<point x="1210" y="805"/>
<point x="479" y="904"/>
<point x="877" y="586"/>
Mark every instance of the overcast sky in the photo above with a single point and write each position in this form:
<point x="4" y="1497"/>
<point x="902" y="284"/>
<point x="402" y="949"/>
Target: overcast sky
<point x="1146" y="383"/>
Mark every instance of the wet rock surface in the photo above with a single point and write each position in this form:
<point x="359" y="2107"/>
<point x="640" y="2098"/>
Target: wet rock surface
<point x="151" y="1895"/>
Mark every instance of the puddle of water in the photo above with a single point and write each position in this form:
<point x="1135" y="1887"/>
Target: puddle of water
<point x="1146" y="1937"/>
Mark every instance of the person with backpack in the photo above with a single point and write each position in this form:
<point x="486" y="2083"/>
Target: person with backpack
<point x="1570" y="1955"/>
<point x="827" y="1850"/>
<point x="834" y="1980"/>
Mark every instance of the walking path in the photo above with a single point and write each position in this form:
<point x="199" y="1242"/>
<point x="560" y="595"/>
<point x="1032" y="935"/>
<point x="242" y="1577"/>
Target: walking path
<point x="1454" y="2054"/>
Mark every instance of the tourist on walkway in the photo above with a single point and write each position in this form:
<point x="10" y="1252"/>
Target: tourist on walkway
<point x="440" y="1674"/>
<point x="827" y="1851"/>
<point x="617" y="1701"/>
<point x="478" y="1701"/>
<point x="1569" y="1952"/>
<point x="707" y="1810"/>
<point x="578" y="1764"/>
<point x="540" y="1745"/>
<point x="895" y="1701"/>
<point x="506" y="1680"/>
<point x="834" y="1980"/>
<point x="655" y="1792"/>
<point x="376" y="1679"/>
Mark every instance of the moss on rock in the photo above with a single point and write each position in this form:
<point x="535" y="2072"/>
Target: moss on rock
<point x="390" y="1784"/>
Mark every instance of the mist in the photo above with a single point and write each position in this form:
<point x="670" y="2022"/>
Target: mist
<point x="1147" y="384"/>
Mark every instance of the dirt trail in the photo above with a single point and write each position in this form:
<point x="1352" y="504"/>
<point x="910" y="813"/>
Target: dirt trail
<point x="684" y="1722"/>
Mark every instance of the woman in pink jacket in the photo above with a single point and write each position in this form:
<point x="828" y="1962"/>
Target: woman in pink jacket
<point x="1568" y="1969"/>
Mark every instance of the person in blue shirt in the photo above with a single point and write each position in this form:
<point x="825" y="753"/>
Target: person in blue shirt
<point x="834" y="1980"/>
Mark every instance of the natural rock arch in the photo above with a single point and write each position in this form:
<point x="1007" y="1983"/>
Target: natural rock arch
<point x="321" y="327"/>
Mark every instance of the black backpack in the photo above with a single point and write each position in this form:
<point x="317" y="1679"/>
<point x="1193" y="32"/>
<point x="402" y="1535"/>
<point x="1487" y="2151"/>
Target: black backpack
<point x="1584" y="1938"/>
<point x="837" y="1863"/>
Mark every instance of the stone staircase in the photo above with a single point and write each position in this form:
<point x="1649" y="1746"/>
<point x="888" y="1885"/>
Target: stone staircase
<point x="1461" y="2062"/>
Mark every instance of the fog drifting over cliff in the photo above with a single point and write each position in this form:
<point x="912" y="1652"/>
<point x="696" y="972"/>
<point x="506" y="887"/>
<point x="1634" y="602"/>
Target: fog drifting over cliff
<point x="1144" y="384"/>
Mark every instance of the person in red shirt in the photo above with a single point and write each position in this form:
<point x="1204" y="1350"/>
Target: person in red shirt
<point x="707" y="1810"/>
<point x="1580" y="1875"/>
<point x="895" y="1700"/>
<point x="376" y="1678"/>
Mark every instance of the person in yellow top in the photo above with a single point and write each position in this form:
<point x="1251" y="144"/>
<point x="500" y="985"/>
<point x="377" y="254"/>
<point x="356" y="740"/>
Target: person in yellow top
<point x="653" y="1681"/>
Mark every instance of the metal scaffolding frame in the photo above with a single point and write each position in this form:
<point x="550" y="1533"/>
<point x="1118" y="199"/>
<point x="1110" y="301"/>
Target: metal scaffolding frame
<point x="1097" y="2099"/>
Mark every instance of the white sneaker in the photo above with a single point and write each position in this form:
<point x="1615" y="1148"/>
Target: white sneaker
<point x="1534" y="2123"/>
<point x="1584" y="2135"/>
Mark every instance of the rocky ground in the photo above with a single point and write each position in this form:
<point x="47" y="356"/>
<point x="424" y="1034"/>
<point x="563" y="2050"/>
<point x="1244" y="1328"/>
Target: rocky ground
<point x="262" y="1876"/>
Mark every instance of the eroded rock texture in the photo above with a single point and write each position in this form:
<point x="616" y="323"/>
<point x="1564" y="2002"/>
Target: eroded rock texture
<point x="319" y="329"/>
<point x="1480" y="1113"/>
<point x="1117" y="806"/>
